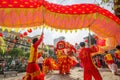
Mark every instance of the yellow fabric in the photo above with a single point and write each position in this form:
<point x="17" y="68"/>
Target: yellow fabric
<point x="33" y="55"/>
<point x="60" y="54"/>
<point x="109" y="57"/>
<point x="118" y="53"/>
<point x="63" y="22"/>
<point x="32" y="75"/>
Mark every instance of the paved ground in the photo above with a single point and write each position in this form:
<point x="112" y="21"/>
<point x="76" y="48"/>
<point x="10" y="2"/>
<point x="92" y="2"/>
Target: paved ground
<point x="76" y="74"/>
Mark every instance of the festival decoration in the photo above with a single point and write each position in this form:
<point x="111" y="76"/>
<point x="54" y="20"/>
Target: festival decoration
<point x="24" y="14"/>
<point x="64" y="52"/>
<point x="29" y="40"/>
<point x="60" y="45"/>
<point x="25" y="33"/>
<point x="21" y="35"/>
<point x="101" y="42"/>
<point x="29" y="30"/>
<point x="1" y="34"/>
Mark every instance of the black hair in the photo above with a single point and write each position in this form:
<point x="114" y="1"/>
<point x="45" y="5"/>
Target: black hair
<point x="118" y="46"/>
<point x="82" y="44"/>
<point x="106" y="51"/>
<point x="34" y="40"/>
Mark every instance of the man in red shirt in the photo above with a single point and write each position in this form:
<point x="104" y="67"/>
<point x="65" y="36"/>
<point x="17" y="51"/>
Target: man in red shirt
<point x="88" y="65"/>
<point x="32" y="70"/>
<point x="110" y="62"/>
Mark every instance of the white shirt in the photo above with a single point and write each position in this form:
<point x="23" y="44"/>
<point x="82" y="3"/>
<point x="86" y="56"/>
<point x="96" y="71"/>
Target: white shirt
<point x="40" y="60"/>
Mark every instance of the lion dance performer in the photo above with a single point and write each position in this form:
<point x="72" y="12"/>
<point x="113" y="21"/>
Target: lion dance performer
<point x="88" y="65"/>
<point x="33" y="71"/>
<point x="110" y="62"/>
<point x="63" y="52"/>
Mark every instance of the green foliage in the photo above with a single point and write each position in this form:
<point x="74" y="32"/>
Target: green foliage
<point x="51" y="52"/>
<point x="27" y="55"/>
<point x="16" y="52"/>
<point x="1" y="51"/>
<point x="105" y="1"/>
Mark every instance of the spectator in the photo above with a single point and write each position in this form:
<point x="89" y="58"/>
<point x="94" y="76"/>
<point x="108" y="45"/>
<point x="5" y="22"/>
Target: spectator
<point x="40" y="63"/>
<point x="110" y="63"/>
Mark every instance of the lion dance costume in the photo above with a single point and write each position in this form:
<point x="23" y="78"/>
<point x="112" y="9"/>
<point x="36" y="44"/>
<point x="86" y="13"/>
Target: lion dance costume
<point x="64" y="51"/>
<point x="33" y="71"/>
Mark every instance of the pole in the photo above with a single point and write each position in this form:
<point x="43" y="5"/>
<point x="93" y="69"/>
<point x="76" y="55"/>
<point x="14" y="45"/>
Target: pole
<point x="89" y="38"/>
<point x="43" y="22"/>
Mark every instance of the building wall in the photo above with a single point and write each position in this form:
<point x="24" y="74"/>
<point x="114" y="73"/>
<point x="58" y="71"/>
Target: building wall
<point x="9" y="38"/>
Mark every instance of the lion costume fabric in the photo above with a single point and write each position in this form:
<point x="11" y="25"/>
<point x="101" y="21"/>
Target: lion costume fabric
<point x="64" y="51"/>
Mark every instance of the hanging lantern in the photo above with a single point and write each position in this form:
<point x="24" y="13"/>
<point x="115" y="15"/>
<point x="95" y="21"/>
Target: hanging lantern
<point x="25" y="33"/>
<point x="1" y="34"/>
<point x="21" y="35"/>
<point x="29" y="30"/>
<point x="29" y="40"/>
<point x="101" y="42"/>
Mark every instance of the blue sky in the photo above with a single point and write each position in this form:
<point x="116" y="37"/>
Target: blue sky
<point x="74" y="37"/>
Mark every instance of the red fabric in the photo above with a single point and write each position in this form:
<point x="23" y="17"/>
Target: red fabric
<point x="80" y="9"/>
<point x="39" y="55"/>
<point x="38" y="42"/>
<point x="89" y="72"/>
<point x="108" y="61"/>
<point x="68" y="9"/>
<point x="50" y="62"/>
<point x="98" y="63"/>
<point x="89" y="67"/>
<point x="101" y="42"/>
<point x="65" y="65"/>
<point x="74" y="63"/>
<point x="94" y="49"/>
<point x="29" y="30"/>
<point x="116" y="55"/>
<point x="1" y="34"/>
<point x="20" y="3"/>
<point x="33" y="67"/>
<point x="85" y="57"/>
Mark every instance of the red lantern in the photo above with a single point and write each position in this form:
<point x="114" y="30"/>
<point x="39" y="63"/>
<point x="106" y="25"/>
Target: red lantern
<point x="25" y="33"/>
<point x="29" y="40"/>
<point x="1" y="34"/>
<point x="29" y="30"/>
<point x="21" y="35"/>
<point x="101" y="42"/>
